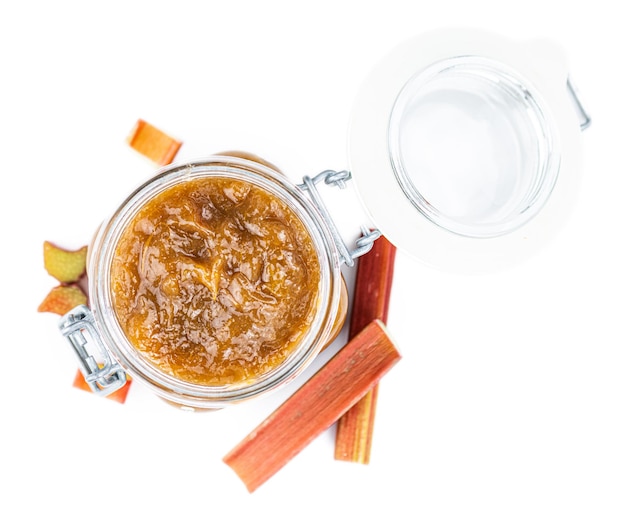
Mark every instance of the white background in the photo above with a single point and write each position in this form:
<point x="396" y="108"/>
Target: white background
<point x="509" y="404"/>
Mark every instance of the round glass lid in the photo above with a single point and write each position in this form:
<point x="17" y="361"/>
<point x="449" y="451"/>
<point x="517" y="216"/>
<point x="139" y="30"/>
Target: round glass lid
<point x="464" y="147"/>
<point x="472" y="147"/>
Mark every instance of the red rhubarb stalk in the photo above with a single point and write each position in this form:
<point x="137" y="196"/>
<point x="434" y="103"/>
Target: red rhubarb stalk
<point x="372" y="290"/>
<point x="313" y="408"/>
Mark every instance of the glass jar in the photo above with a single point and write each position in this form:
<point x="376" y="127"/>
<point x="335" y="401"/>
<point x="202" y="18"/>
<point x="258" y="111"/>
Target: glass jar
<point x="105" y="351"/>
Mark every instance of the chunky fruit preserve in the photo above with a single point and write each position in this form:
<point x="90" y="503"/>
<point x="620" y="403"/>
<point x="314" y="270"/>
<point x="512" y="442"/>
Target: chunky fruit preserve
<point x="215" y="281"/>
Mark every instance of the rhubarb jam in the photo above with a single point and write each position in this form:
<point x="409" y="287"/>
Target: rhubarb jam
<point x="215" y="281"/>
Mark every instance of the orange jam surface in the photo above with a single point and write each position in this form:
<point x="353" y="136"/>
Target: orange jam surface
<point x="215" y="281"/>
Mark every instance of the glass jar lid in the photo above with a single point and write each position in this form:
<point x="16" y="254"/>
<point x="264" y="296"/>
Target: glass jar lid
<point x="464" y="147"/>
<point x="473" y="147"/>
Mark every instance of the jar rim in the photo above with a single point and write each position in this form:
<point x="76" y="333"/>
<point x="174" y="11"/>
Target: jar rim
<point x="166" y="385"/>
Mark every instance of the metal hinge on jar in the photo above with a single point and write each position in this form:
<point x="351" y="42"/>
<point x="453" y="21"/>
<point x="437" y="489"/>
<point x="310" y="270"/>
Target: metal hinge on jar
<point x="584" y="119"/>
<point x="368" y="236"/>
<point x="102" y="374"/>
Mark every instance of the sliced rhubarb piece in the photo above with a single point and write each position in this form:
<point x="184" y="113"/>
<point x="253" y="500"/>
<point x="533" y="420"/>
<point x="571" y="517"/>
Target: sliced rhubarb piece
<point x="67" y="266"/>
<point x="153" y="143"/>
<point x="347" y="376"/>
<point x="61" y="299"/>
<point x="372" y="290"/>
<point x="119" y="395"/>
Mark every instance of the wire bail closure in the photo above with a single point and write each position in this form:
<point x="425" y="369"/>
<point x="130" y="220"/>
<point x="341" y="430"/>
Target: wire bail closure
<point x="368" y="236"/>
<point x="584" y="119"/>
<point x="103" y="377"/>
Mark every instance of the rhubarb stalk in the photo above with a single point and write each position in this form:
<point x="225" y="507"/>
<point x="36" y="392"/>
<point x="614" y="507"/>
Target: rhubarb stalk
<point x="347" y="376"/>
<point x="372" y="290"/>
<point x="153" y="143"/>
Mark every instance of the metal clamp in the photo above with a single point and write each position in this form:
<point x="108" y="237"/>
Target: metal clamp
<point x="338" y="178"/>
<point x="102" y="377"/>
<point x="583" y="117"/>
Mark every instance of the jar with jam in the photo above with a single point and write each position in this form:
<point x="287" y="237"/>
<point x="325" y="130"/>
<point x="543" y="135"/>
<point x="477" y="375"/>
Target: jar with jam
<point x="219" y="280"/>
<point x="215" y="281"/>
